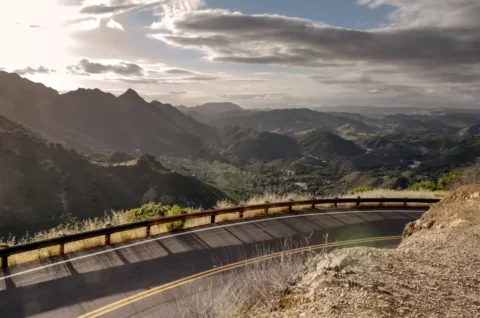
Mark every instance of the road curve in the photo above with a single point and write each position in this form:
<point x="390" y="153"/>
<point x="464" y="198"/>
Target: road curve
<point x="88" y="283"/>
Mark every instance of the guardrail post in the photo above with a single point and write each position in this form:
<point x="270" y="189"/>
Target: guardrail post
<point x="147" y="231"/>
<point x="313" y="204"/>
<point x="335" y="203"/>
<point x="240" y="214"/>
<point x="266" y="209"/>
<point x="290" y="207"/>
<point x="4" y="261"/>
<point x="405" y="203"/>
<point x="381" y="203"/>
<point x="62" y="247"/>
<point x="212" y="219"/>
<point x="107" y="239"/>
<point x="358" y="201"/>
<point x="107" y="236"/>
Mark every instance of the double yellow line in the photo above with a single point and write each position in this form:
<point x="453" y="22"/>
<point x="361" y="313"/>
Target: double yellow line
<point x="159" y="289"/>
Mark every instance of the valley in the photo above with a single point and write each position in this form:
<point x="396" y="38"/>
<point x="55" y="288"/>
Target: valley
<point x="86" y="152"/>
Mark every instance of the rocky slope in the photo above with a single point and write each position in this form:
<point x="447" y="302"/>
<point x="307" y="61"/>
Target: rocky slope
<point x="435" y="272"/>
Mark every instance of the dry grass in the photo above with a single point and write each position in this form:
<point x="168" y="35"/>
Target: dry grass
<point x="378" y="193"/>
<point x="254" y="286"/>
<point x="119" y="217"/>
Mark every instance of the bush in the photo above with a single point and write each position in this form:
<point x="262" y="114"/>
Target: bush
<point x="175" y="210"/>
<point x="449" y="180"/>
<point x="147" y="211"/>
<point x="360" y="190"/>
<point x="424" y="185"/>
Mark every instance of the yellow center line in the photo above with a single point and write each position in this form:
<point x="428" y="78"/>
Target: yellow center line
<point x="159" y="289"/>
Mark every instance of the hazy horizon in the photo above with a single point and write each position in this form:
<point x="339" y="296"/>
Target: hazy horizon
<point x="275" y="54"/>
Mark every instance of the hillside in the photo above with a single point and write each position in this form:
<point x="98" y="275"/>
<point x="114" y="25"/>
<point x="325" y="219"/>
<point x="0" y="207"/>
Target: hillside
<point x="209" y="112"/>
<point x="248" y="143"/>
<point x="45" y="184"/>
<point x="293" y="121"/>
<point x="95" y="121"/>
<point x="324" y="144"/>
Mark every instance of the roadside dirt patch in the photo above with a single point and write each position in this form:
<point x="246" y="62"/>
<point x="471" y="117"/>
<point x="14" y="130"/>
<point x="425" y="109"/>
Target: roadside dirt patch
<point x="435" y="272"/>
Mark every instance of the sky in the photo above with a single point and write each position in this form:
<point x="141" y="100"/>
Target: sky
<point x="256" y="53"/>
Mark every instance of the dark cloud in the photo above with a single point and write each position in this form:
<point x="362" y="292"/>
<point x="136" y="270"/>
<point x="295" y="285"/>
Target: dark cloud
<point x="201" y="78"/>
<point x="178" y="71"/>
<point x="103" y="9"/>
<point x="357" y="80"/>
<point x="441" y="35"/>
<point x="264" y="39"/>
<point x="30" y="70"/>
<point x="126" y="69"/>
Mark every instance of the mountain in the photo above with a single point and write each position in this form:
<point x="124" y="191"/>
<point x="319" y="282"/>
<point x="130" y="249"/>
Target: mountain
<point x="381" y="112"/>
<point x="473" y="130"/>
<point x="22" y="100"/>
<point x="208" y="112"/>
<point x="44" y="184"/>
<point x="325" y="145"/>
<point x="292" y="121"/>
<point x="95" y="121"/>
<point x="437" y="122"/>
<point x="248" y="143"/>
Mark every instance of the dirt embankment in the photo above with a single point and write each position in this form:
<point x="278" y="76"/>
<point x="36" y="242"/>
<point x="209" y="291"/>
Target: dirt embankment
<point x="435" y="272"/>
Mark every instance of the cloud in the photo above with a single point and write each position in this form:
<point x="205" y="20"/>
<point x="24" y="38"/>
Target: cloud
<point x="177" y="93"/>
<point x="70" y="3"/>
<point x="201" y="78"/>
<point x="137" y="80"/>
<point x="258" y="97"/>
<point x="428" y="42"/>
<point x="30" y="71"/>
<point x="122" y="68"/>
<point x="112" y="24"/>
<point x="270" y="39"/>
<point x="178" y="71"/>
<point x="104" y="9"/>
<point x="352" y="80"/>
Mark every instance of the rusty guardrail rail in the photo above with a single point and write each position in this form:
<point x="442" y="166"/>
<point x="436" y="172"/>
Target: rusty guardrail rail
<point x="108" y="231"/>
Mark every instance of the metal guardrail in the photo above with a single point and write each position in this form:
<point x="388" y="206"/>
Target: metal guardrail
<point x="108" y="231"/>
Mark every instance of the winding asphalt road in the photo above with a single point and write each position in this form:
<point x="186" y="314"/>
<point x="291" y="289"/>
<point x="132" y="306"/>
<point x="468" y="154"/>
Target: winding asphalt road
<point x="80" y="283"/>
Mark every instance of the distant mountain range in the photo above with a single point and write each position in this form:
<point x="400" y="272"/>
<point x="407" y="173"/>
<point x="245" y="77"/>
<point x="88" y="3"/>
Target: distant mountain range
<point x="44" y="183"/>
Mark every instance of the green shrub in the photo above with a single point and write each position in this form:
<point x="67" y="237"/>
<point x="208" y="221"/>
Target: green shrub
<point x="147" y="211"/>
<point x="360" y="190"/>
<point x="175" y="210"/>
<point x="449" y="180"/>
<point x="424" y="185"/>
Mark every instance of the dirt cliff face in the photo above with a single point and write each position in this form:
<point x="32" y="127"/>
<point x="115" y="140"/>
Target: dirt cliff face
<point x="435" y="272"/>
<point x="463" y="206"/>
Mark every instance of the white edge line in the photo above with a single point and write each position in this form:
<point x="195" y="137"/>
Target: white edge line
<point x="197" y="231"/>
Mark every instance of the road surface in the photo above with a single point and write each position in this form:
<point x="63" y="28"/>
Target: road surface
<point x="128" y="280"/>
